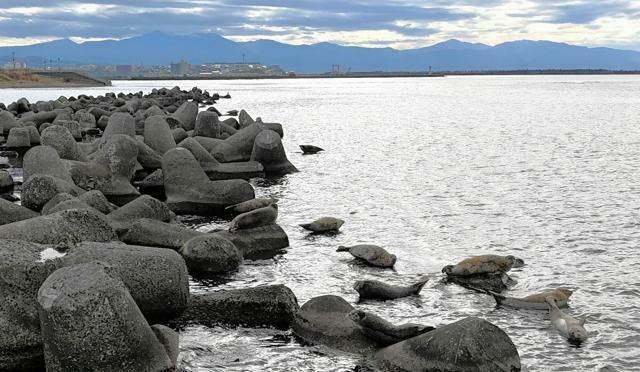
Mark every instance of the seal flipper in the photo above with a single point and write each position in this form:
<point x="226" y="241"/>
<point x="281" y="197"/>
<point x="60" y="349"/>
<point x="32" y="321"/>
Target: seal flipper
<point x="498" y="297"/>
<point x="417" y="287"/>
<point x="305" y="225"/>
<point x="582" y="320"/>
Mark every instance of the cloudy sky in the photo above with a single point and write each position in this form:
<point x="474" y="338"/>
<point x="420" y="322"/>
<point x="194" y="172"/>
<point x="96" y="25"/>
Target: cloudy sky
<point x="395" y="23"/>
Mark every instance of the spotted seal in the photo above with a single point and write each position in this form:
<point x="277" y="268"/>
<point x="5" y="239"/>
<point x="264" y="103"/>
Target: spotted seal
<point x="569" y="327"/>
<point x="484" y="264"/>
<point x="535" y="301"/>
<point x="250" y="205"/>
<point x="255" y="218"/>
<point x="324" y="224"/>
<point x="371" y="254"/>
<point x="376" y="290"/>
<point x="382" y="331"/>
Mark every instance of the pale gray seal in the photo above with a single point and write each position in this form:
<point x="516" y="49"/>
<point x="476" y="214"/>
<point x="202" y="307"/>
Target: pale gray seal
<point x="535" y="301"/>
<point x="255" y="218"/>
<point x="569" y="327"/>
<point x="323" y="224"/>
<point x="484" y="264"/>
<point x="376" y="290"/>
<point x="250" y="205"/>
<point x="382" y="331"/>
<point x="372" y="254"/>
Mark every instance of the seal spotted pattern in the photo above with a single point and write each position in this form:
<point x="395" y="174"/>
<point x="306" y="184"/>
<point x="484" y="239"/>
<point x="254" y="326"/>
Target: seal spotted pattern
<point x="569" y="327"/>
<point x="382" y="331"/>
<point x="255" y="218"/>
<point x="371" y="254"/>
<point x="376" y="290"/>
<point x="484" y="264"/>
<point x="535" y="301"/>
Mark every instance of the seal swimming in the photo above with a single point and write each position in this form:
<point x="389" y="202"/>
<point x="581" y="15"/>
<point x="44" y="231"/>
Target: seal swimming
<point x="535" y="301"/>
<point x="484" y="264"/>
<point x="255" y="218"/>
<point x="371" y="254"/>
<point x="569" y="327"/>
<point x="376" y="290"/>
<point x="382" y="331"/>
<point x="324" y="224"/>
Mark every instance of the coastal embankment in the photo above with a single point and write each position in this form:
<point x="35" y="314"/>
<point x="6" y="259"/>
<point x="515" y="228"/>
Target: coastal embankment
<point x="23" y="78"/>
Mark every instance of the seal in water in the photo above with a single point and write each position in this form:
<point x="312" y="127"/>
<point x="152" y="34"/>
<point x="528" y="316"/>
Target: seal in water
<point x="569" y="327"/>
<point x="535" y="301"/>
<point x="375" y="290"/>
<point x="382" y="331"/>
<point x="255" y="218"/>
<point x="485" y="264"/>
<point x="310" y="149"/>
<point x="323" y="224"/>
<point x="250" y="205"/>
<point x="372" y="254"/>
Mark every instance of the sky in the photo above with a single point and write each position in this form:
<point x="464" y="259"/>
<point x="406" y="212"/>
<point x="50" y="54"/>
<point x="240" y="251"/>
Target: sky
<point x="401" y="24"/>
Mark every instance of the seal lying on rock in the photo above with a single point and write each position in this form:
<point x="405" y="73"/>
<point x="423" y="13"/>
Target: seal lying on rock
<point x="250" y="205"/>
<point x="375" y="290"/>
<point x="372" y="254"/>
<point x="323" y="224"/>
<point x="535" y="301"/>
<point x="569" y="327"/>
<point x="255" y="218"/>
<point x="383" y="332"/>
<point x="484" y="264"/>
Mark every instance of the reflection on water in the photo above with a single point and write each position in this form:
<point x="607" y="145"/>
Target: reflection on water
<point x="435" y="170"/>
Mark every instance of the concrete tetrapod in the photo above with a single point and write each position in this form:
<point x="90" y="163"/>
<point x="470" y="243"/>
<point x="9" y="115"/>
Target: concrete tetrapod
<point x="111" y="169"/>
<point x="268" y="150"/>
<point x="471" y="344"/>
<point x="222" y="171"/>
<point x="89" y="321"/>
<point x="262" y="306"/>
<point x="157" y="134"/>
<point x="189" y="190"/>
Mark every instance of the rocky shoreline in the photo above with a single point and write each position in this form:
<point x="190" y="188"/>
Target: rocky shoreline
<point x="94" y="269"/>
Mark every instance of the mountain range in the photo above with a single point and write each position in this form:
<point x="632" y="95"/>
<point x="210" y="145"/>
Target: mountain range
<point x="160" y="48"/>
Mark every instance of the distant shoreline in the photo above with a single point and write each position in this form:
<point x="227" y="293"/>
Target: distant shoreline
<point x="389" y="75"/>
<point x="24" y="79"/>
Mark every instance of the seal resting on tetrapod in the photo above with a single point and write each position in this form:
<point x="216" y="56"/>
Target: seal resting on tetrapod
<point x="382" y="331"/>
<point x="324" y="224"/>
<point x="255" y="218"/>
<point x="569" y="327"/>
<point x="376" y="290"/>
<point x="484" y="264"/>
<point x="535" y="301"/>
<point x="371" y="254"/>
<point x="250" y="205"/>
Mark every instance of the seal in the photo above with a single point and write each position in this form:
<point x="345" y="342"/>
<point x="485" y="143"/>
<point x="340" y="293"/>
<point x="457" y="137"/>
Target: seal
<point x="382" y="331"/>
<point x="371" y="254"/>
<point x="250" y="205"/>
<point x="484" y="264"/>
<point x="535" y="301"/>
<point x="569" y="327"/>
<point x="310" y="149"/>
<point x="376" y="290"/>
<point x="324" y="224"/>
<point x="255" y="218"/>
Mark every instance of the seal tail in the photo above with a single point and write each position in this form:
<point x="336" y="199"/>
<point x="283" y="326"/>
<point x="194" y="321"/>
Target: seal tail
<point x="342" y="248"/>
<point x="305" y="225"/>
<point x="417" y="287"/>
<point x="497" y="296"/>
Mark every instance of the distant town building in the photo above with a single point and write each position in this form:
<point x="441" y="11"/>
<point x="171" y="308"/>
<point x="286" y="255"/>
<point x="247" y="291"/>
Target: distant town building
<point x="124" y="70"/>
<point x="179" y="68"/>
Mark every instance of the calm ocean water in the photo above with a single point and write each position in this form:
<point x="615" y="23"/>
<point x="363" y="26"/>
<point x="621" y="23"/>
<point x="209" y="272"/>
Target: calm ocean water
<point x="435" y="170"/>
